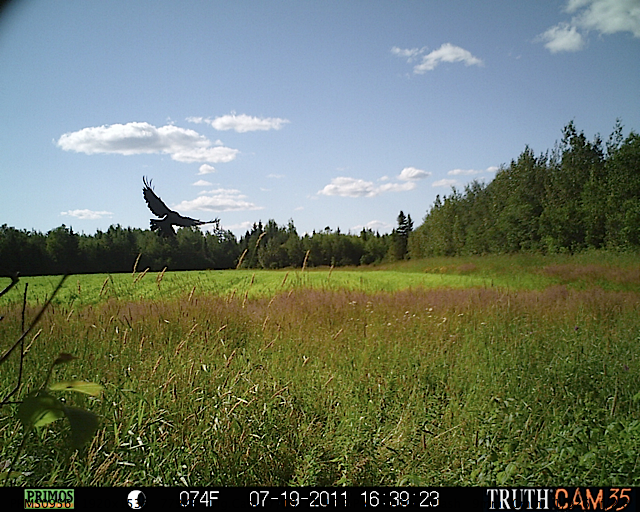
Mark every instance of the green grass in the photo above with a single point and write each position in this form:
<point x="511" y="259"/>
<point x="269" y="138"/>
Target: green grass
<point x="379" y="377"/>
<point x="607" y="270"/>
<point x="93" y="289"/>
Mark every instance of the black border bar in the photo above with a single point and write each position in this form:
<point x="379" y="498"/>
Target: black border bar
<point x="611" y="499"/>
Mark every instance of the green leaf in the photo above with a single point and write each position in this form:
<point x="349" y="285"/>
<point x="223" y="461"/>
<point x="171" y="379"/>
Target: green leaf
<point x="503" y="476"/>
<point x="38" y="409"/>
<point x="83" y="425"/>
<point x="80" y="386"/>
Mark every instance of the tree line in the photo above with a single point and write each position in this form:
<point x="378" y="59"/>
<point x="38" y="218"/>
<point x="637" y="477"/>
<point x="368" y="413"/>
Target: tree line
<point x="583" y="194"/>
<point x="268" y="246"/>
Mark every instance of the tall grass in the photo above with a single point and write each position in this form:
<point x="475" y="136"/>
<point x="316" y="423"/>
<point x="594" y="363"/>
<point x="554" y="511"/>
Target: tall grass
<point x="331" y="386"/>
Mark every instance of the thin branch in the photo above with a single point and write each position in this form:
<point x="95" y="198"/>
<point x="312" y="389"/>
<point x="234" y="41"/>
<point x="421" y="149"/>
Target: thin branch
<point x="15" y="389"/>
<point x="24" y="306"/>
<point x="14" y="281"/>
<point x="35" y="321"/>
<point x="8" y="353"/>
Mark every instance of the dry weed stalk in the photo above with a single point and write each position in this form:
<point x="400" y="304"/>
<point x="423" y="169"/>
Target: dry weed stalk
<point x="160" y="276"/>
<point x="306" y="257"/>
<point x="153" y="372"/>
<point x="164" y="386"/>
<point x="241" y="258"/>
<point x="141" y="275"/>
<point x="183" y="342"/>
<point x="104" y="285"/>
<point x="230" y="358"/>
<point x="135" y="265"/>
<point x="35" y="337"/>
<point x="269" y="345"/>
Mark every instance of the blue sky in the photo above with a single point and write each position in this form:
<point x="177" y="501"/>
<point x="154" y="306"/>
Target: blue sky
<point x="329" y="113"/>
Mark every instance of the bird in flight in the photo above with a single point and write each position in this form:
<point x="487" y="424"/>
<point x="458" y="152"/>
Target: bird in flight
<point x="169" y="218"/>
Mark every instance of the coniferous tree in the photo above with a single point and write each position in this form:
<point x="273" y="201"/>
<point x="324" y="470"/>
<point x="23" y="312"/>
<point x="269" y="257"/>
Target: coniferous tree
<point x="400" y="237"/>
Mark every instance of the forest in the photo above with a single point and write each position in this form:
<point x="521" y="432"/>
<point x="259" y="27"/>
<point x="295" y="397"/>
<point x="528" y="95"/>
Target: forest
<point x="581" y="194"/>
<point x="267" y="246"/>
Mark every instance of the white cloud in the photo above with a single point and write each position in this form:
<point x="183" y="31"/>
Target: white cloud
<point x="410" y="53"/>
<point x="463" y="172"/>
<point x="221" y="191"/>
<point x="349" y="187"/>
<point x="206" y="169"/>
<point x="218" y="200"/>
<point x="242" y="123"/>
<point x="86" y="214"/>
<point x="444" y="183"/>
<point x="275" y="176"/>
<point x="396" y="187"/>
<point x="603" y="16"/>
<point x="607" y="16"/>
<point x="375" y="225"/>
<point x="562" y="38"/>
<point x="242" y="226"/>
<point x="471" y="172"/>
<point x="411" y="173"/>
<point x="182" y="144"/>
<point x="446" y="53"/>
<point x="352" y="187"/>
<point x="213" y="155"/>
<point x="201" y="183"/>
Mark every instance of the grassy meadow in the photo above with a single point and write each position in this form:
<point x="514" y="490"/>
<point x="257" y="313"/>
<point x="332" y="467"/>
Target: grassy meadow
<point x="498" y="370"/>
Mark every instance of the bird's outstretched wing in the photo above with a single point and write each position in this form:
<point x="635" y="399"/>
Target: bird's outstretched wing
<point x="179" y="220"/>
<point x="154" y="203"/>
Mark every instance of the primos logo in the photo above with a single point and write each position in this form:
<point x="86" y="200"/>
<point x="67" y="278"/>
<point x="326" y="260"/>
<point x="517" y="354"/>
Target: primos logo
<point x="48" y="499"/>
